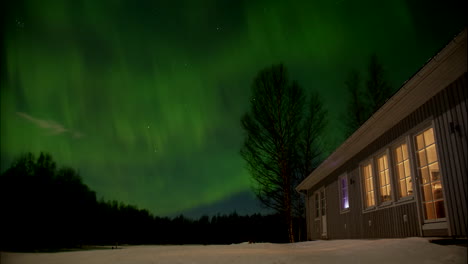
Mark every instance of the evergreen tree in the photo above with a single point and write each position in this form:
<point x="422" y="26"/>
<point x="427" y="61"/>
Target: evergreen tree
<point x="363" y="102"/>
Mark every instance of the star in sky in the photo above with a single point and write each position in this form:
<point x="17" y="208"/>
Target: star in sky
<point x="103" y="75"/>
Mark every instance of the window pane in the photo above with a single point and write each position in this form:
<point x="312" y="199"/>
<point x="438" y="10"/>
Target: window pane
<point x="382" y="178"/>
<point x="431" y="154"/>
<point x="428" y="168"/>
<point x="440" y="209"/>
<point x="424" y="175"/>
<point x="419" y="142"/>
<point x="387" y="178"/>
<point x="422" y="158"/>
<point x="400" y="171"/>
<point x="429" y="136"/>
<point x="368" y="185"/>
<point x="398" y="155"/>
<point x="404" y="150"/>
<point x="427" y="193"/>
<point x="323" y="206"/>
<point x="317" y="206"/>
<point x="385" y="194"/>
<point x="402" y="188"/>
<point x="437" y="190"/>
<point x="346" y="203"/>
<point x="429" y="211"/>
<point x="385" y="163"/>
<point x="383" y="191"/>
<point x="407" y="168"/>
<point x="344" y="192"/>
<point x="434" y="171"/>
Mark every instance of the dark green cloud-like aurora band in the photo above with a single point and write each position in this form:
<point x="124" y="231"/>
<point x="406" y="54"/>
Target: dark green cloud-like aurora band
<point x="144" y="98"/>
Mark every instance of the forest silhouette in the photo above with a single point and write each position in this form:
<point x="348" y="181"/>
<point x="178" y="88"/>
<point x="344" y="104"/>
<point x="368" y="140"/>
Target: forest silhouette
<point x="46" y="208"/>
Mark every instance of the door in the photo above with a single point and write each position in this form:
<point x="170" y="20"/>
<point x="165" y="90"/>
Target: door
<point x="429" y="178"/>
<point x="320" y="214"/>
<point x="323" y="212"/>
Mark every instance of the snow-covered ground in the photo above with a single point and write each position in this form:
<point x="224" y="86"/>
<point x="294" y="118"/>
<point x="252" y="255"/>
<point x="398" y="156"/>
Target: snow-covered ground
<point x="409" y="250"/>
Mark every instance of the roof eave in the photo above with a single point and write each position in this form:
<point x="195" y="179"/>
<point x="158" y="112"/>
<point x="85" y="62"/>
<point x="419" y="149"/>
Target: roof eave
<point x="454" y="52"/>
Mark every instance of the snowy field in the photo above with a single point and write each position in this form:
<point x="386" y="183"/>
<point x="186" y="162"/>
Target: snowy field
<point x="409" y="250"/>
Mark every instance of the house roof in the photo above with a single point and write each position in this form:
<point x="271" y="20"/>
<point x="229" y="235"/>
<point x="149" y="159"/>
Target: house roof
<point x="440" y="71"/>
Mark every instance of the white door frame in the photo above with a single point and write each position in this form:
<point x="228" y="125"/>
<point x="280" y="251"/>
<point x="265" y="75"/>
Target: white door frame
<point x="438" y="223"/>
<point x="323" y="212"/>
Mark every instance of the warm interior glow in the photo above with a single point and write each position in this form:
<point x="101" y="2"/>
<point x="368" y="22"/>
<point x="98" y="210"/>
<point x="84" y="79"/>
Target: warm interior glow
<point x="368" y="184"/>
<point x="384" y="179"/>
<point x="430" y="177"/>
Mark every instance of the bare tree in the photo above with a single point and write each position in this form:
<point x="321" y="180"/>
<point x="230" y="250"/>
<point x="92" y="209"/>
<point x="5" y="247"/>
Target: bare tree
<point x="276" y="137"/>
<point x="311" y="146"/>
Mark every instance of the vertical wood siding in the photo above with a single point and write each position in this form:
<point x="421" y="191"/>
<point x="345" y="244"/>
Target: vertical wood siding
<point x="451" y="132"/>
<point x="386" y="222"/>
<point x="448" y="112"/>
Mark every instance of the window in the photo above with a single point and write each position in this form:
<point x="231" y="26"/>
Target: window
<point x="384" y="179"/>
<point x="317" y="206"/>
<point x="403" y="171"/>
<point x="368" y="179"/>
<point x="344" y="195"/>
<point x="429" y="174"/>
<point x="323" y="205"/>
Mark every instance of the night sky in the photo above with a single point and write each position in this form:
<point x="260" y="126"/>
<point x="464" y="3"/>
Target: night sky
<point x="144" y="98"/>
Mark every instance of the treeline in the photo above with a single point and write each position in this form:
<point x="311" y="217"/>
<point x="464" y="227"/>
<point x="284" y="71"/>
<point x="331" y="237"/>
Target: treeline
<point x="45" y="208"/>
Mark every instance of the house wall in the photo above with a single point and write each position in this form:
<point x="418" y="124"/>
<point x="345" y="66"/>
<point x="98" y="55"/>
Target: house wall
<point x="451" y="107"/>
<point x="448" y="106"/>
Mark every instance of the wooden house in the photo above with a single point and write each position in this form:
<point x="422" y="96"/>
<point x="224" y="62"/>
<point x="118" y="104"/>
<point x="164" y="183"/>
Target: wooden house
<point x="404" y="171"/>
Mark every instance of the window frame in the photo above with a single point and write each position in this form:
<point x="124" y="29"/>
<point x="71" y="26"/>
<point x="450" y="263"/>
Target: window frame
<point x="409" y="137"/>
<point x="414" y="149"/>
<point x="405" y="140"/>
<point x="317" y="205"/>
<point x="340" y="190"/>
<point x="363" y="186"/>
<point x="384" y="152"/>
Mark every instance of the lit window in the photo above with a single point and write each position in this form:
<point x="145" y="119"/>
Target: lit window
<point x="344" y="194"/>
<point x="384" y="179"/>
<point x="368" y="179"/>
<point x="429" y="173"/>
<point x="402" y="170"/>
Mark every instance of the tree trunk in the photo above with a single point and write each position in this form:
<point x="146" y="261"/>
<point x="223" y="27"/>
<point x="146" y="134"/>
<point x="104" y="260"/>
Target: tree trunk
<point x="290" y="230"/>
<point x="289" y="219"/>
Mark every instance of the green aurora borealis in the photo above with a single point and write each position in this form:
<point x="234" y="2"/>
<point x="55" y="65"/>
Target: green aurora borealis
<point x="145" y="98"/>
